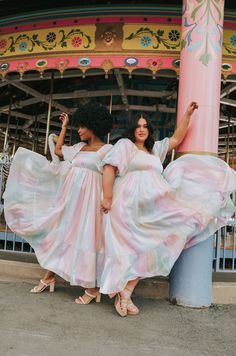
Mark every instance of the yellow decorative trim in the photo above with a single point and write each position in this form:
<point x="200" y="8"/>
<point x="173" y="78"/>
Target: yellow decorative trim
<point x="203" y="153"/>
<point x="229" y="43"/>
<point x="148" y="37"/>
<point x="56" y="39"/>
<point x="143" y="37"/>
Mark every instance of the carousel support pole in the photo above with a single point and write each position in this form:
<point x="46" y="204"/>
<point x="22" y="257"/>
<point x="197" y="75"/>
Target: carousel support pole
<point x="228" y="140"/>
<point x="200" y="77"/>
<point x="110" y="111"/>
<point x="15" y="139"/>
<point x="49" y="114"/>
<point x="71" y="132"/>
<point x="35" y="134"/>
<point x="7" y="128"/>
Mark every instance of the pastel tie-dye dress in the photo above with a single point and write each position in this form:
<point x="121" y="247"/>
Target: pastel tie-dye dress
<point x="56" y="208"/>
<point x="156" y="214"/>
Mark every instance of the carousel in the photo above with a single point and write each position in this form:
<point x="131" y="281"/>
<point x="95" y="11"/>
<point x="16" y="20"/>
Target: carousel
<point x="126" y="56"/>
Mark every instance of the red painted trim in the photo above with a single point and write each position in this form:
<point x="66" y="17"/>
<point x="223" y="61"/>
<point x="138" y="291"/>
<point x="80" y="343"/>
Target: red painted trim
<point x="91" y="20"/>
<point x="230" y="25"/>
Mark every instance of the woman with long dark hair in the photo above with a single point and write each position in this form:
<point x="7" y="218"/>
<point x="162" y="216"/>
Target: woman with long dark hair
<point x="56" y="207"/>
<point x="153" y="215"/>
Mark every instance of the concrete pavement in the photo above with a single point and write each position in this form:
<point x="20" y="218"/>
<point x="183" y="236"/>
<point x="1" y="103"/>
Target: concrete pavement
<point x="51" y="324"/>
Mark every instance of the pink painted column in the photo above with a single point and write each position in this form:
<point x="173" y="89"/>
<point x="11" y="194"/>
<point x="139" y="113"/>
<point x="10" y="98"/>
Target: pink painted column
<point x="200" y="72"/>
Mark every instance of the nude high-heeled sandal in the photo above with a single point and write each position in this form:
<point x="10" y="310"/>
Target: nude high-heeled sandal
<point x="42" y="286"/>
<point x="121" y="305"/>
<point x="132" y="309"/>
<point x="96" y="296"/>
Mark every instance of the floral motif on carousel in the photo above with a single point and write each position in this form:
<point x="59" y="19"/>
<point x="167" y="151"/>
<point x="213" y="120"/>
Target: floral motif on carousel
<point x="146" y="41"/>
<point x="174" y="35"/>
<point x="23" y="46"/>
<point x="203" y="30"/>
<point x="76" y="41"/>
<point x="27" y="42"/>
<point x="230" y="46"/>
<point x="3" y="44"/>
<point x="51" y="37"/>
<point x="76" y="38"/>
<point x="153" y="39"/>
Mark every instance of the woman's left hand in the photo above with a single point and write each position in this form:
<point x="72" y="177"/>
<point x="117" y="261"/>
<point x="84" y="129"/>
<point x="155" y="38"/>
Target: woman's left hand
<point x="106" y="205"/>
<point x="192" y="106"/>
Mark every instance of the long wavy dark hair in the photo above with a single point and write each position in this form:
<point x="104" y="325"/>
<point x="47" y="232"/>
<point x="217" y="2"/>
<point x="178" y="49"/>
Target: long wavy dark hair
<point x="132" y="126"/>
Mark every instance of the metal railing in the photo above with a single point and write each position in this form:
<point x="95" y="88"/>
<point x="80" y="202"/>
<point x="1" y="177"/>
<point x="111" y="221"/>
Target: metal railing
<point x="9" y="241"/>
<point x="224" y="259"/>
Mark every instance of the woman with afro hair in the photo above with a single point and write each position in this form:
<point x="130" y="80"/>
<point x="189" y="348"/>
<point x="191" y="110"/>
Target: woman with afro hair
<point x="56" y="207"/>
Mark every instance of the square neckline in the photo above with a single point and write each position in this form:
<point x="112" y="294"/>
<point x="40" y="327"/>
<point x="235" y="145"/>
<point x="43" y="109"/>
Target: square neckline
<point x="100" y="149"/>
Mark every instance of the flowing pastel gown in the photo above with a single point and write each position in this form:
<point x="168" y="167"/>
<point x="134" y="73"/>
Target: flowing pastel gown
<point x="156" y="214"/>
<point x="56" y="208"/>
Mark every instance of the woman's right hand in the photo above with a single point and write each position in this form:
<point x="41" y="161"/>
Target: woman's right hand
<point x="106" y="205"/>
<point x="65" y="119"/>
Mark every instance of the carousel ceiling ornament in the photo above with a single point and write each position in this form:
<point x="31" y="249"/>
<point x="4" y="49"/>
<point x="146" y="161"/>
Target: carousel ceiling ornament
<point x="154" y="64"/>
<point x="108" y="37"/>
<point x="176" y="63"/>
<point x="62" y="64"/>
<point x="131" y="61"/>
<point x="41" y="63"/>
<point x="4" y="66"/>
<point x="128" y="45"/>
<point x="84" y="61"/>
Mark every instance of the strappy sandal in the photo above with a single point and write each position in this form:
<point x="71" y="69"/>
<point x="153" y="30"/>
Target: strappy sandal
<point x="132" y="309"/>
<point x="81" y="300"/>
<point x="121" y="305"/>
<point x="42" y="286"/>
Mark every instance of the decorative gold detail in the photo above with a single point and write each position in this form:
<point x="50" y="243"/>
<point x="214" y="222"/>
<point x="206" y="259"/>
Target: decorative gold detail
<point x="62" y="64"/>
<point x="21" y="67"/>
<point x="108" y="37"/>
<point x="107" y="65"/>
<point x="154" y="65"/>
<point x="130" y="70"/>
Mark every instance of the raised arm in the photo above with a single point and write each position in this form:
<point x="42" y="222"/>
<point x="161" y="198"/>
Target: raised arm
<point x="60" y="142"/>
<point x="182" y="128"/>
<point x="108" y="178"/>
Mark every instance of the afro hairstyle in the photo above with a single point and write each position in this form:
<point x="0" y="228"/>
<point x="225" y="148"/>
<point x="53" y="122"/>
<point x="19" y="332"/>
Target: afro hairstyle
<point x="95" y="117"/>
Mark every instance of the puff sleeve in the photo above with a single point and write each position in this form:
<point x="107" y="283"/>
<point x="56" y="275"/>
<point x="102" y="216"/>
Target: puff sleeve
<point x="160" y="148"/>
<point x="120" y="155"/>
<point x="69" y="152"/>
